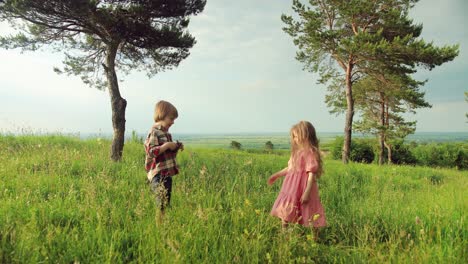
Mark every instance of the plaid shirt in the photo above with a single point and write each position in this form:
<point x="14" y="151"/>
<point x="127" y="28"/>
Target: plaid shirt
<point x="156" y="162"/>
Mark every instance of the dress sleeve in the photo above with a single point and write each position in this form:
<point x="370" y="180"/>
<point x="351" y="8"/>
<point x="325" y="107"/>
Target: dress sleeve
<point x="152" y="145"/>
<point x="310" y="162"/>
<point x="290" y="163"/>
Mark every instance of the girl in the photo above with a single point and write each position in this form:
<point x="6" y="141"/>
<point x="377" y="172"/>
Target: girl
<point x="298" y="200"/>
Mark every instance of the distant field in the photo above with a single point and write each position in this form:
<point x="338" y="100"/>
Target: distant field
<point x="281" y="140"/>
<point x="63" y="201"/>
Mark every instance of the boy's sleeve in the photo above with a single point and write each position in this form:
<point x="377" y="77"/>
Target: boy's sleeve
<point x="152" y="145"/>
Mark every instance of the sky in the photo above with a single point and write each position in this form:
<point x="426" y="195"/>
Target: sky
<point x="241" y="77"/>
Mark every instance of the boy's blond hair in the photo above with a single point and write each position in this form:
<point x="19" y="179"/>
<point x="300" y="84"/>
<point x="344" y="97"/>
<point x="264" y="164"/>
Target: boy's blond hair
<point x="164" y="109"/>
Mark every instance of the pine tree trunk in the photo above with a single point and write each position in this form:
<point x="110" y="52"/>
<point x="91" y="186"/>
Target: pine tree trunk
<point x="349" y="115"/>
<point x="381" y="149"/>
<point x="118" y="105"/>
<point x="389" y="151"/>
<point x="387" y="126"/>
<point x="382" y="132"/>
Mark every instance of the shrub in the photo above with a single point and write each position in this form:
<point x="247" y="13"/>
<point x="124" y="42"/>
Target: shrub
<point x="462" y="159"/>
<point x="435" y="179"/>
<point x="236" y="145"/>
<point x="442" y="155"/>
<point x="401" y="154"/>
<point x="361" y="150"/>
<point x="269" y="146"/>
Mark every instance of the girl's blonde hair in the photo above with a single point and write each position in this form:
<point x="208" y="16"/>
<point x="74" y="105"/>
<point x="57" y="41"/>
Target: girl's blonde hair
<point x="307" y="139"/>
<point x="164" y="109"/>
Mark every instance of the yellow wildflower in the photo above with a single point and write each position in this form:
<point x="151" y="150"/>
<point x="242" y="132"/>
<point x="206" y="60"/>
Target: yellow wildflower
<point x="316" y="216"/>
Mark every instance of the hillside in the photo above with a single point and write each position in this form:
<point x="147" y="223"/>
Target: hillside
<point x="64" y="201"/>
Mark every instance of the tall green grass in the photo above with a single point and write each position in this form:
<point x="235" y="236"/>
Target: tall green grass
<point x="62" y="200"/>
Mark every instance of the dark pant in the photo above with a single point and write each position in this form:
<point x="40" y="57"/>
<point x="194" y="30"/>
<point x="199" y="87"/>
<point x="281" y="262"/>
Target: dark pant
<point x="162" y="188"/>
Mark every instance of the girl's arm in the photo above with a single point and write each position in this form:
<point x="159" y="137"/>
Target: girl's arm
<point x="306" y="195"/>
<point x="275" y="176"/>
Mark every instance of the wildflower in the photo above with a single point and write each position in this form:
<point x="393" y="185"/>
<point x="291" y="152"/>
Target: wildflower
<point x="201" y="214"/>
<point x="203" y="170"/>
<point x="421" y="231"/>
<point x="402" y="233"/>
<point x="240" y="213"/>
<point x="417" y="220"/>
<point x="257" y="211"/>
<point x="247" y="202"/>
<point x="316" y="216"/>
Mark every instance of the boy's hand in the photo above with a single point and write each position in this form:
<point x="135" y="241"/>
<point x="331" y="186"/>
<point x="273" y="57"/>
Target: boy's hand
<point x="180" y="146"/>
<point x="171" y="145"/>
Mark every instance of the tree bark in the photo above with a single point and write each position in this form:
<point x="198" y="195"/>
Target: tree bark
<point x="387" y="125"/>
<point x="389" y="151"/>
<point x="382" y="131"/>
<point x="118" y="104"/>
<point x="381" y="148"/>
<point x="349" y="115"/>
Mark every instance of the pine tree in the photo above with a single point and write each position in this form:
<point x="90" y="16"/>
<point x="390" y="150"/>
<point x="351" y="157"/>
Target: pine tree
<point x="381" y="100"/>
<point x="99" y="37"/>
<point x="345" y="41"/>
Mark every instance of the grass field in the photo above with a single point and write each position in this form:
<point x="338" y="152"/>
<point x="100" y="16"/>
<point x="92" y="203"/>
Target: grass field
<point x="63" y="201"/>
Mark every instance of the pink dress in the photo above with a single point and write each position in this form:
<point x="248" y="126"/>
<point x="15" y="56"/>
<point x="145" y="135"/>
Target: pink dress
<point x="288" y="205"/>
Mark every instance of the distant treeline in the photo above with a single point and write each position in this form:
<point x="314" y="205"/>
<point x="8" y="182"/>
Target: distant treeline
<point x="447" y="154"/>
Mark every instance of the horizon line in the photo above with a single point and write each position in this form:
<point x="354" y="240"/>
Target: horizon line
<point x="197" y="133"/>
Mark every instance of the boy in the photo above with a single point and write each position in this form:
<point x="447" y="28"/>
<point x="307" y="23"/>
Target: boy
<point x="160" y="161"/>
